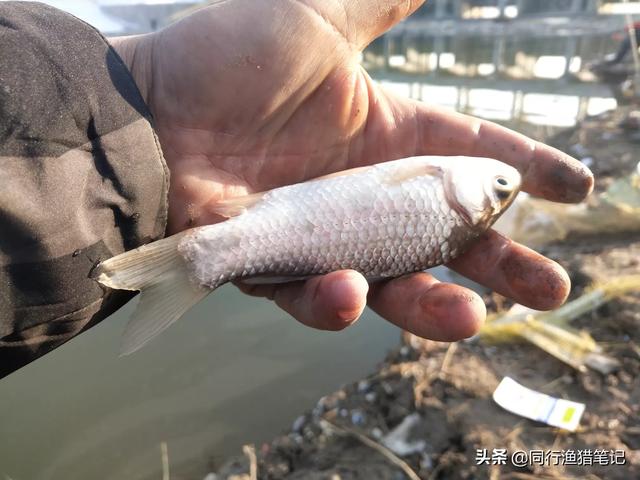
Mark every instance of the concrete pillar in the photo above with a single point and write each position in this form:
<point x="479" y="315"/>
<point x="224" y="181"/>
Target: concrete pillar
<point x="499" y="44"/>
<point x="386" y="47"/>
<point x="416" y="91"/>
<point x="502" y="5"/>
<point x="517" y="106"/>
<point x="462" y="103"/>
<point x="583" y="108"/>
<point x="584" y="6"/>
<point x="576" y="6"/>
<point x="457" y="8"/>
<point x="569" y="52"/>
<point x="440" y="8"/>
<point x="424" y="57"/>
<point x="438" y="48"/>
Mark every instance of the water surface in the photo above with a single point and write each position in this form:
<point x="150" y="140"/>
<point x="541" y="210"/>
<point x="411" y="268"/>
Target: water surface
<point x="235" y="370"/>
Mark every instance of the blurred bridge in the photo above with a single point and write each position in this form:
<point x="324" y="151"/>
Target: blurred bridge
<point x="506" y="37"/>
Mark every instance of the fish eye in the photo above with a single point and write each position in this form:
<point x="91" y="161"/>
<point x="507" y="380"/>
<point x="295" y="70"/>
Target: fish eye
<point x="503" y="188"/>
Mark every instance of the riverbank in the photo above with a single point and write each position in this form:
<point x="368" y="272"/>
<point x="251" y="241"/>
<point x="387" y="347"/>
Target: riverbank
<point x="437" y="397"/>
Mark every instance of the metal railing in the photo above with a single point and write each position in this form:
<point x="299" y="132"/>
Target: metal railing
<point x="458" y="8"/>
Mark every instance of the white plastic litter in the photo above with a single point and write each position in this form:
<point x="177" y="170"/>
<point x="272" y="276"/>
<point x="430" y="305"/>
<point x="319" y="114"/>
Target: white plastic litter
<point x="397" y="440"/>
<point x="537" y="406"/>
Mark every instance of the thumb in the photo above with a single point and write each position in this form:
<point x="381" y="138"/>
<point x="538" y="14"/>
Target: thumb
<point x="374" y="17"/>
<point x="361" y="21"/>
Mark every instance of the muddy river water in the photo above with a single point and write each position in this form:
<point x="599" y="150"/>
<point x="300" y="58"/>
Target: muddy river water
<point x="235" y="369"/>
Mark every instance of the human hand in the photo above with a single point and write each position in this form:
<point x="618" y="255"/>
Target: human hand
<point x="250" y="95"/>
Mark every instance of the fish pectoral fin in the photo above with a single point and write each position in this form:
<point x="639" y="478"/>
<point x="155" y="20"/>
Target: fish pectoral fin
<point x="273" y="279"/>
<point x="232" y="207"/>
<point x="411" y="171"/>
<point x="166" y="292"/>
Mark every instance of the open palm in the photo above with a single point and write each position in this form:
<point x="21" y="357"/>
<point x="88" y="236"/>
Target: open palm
<point x="248" y="95"/>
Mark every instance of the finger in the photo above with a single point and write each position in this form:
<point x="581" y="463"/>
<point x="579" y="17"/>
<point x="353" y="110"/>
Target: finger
<point x="514" y="271"/>
<point x="327" y="302"/>
<point x="547" y="172"/>
<point x="428" y="308"/>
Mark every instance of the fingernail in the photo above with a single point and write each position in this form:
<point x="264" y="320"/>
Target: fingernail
<point x="452" y="313"/>
<point x="534" y="282"/>
<point x="441" y="298"/>
<point x="569" y="183"/>
<point x="348" y="316"/>
<point x="582" y="185"/>
<point x="436" y="304"/>
<point x="344" y="291"/>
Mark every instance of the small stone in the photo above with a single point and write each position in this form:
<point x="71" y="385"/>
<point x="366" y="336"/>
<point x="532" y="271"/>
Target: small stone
<point x="358" y="417"/>
<point x="363" y="386"/>
<point x="309" y="434"/>
<point x="388" y="389"/>
<point x="426" y="462"/>
<point x="324" y="404"/>
<point x="376" y="433"/>
<point x="299" y="423"/>
<point x="587" y="161"/>
<point x="371" y="397"/>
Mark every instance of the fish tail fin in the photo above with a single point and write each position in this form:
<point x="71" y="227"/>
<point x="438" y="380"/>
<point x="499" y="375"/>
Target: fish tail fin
<point x="166" y="292"/>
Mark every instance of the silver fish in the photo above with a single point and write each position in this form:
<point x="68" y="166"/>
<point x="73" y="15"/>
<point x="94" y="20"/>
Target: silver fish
<point x="383" y="220"/>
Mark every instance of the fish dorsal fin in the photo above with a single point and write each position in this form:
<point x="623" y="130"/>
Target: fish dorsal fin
<point x="232" y="207"/>
<point x="410" y="171"/>
<point x="405" y="171"/>
<point x="235" y="206"/>
<point x="342" y="173"/>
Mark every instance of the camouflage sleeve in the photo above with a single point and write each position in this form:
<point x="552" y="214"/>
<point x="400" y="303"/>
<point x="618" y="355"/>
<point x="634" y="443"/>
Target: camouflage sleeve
<point x="82" y="177"/>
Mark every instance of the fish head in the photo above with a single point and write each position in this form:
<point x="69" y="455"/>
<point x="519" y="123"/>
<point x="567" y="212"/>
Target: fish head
<point x="481" y="189"/>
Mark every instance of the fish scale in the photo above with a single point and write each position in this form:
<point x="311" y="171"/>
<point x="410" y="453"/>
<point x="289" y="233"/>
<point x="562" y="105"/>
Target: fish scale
<point x="383" y="221"/>
<point x="276" y="238"/>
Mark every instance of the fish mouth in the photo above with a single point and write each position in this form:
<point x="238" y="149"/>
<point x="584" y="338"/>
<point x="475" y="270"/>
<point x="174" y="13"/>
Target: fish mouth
<point x="491" y="209"/>
<point x="498" y="208"/>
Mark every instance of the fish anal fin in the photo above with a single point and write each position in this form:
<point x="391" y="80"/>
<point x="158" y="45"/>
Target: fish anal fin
<point x="232" y="207"/>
